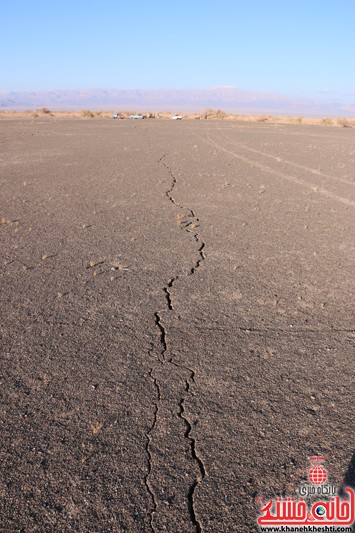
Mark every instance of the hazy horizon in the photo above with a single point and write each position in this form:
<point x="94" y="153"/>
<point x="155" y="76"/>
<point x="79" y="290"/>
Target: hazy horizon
<point x="228" y="98"/>
<point x="303" y="50"/>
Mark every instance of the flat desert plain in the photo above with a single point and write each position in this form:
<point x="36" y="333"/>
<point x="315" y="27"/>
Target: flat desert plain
<point x="176" y="332"/>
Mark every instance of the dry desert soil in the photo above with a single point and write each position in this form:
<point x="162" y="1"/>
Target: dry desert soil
<point x="176" y="330"/>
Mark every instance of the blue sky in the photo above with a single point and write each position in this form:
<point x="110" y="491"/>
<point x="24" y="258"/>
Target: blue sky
<point x="302" y="48"/>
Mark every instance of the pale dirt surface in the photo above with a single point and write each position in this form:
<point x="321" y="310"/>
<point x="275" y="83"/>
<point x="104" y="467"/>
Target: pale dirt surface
<point x="176" y="331"/>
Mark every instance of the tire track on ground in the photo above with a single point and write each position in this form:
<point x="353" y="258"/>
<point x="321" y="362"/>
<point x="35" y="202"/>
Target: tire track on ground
<point x="281" y="160"/>
<point x="299" y="181"/>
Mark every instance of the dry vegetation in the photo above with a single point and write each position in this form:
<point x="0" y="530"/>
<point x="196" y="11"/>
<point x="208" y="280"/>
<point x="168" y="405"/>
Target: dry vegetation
<point x="207" y="114"/>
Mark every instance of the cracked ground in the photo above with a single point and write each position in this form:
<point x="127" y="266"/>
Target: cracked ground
<point x="176" y="334"/>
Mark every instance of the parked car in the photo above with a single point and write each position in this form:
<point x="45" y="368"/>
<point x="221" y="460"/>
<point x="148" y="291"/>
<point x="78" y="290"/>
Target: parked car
<point x="138" y="116"/>
<point x="117" y="115"/>
<point x="176" y="117"/>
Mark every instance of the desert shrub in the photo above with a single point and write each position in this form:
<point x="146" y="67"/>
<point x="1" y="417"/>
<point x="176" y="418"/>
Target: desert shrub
<point x="220" y="114"/>
<point x="43" y="111"/>
<point x="214" y="113"/>
<point x="294" y="120"/>
<point x="86" y="113"/>
<point x="341" y="121"/>
<point x="327" y="121"/>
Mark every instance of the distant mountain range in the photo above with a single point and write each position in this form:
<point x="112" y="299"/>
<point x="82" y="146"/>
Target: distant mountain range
<point x="230" y="99"/>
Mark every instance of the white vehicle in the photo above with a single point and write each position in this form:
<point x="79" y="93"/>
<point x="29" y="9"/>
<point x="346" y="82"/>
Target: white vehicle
<point x="176" y="117"/>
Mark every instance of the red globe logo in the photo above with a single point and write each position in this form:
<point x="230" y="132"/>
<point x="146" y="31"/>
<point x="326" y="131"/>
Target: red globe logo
<point x="317" y="475"/>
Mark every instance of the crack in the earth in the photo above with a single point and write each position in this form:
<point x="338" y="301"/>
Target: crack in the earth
<point x="188" y="222"/>
<point x="149" y="453"/>
<point x="167" y="292"/>
<point x="202" y="255"/>
<point x="162" y="331"/>
<point x="194" y="455"/>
